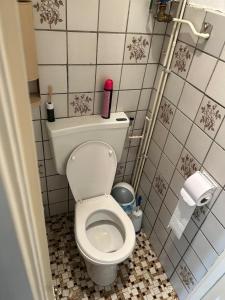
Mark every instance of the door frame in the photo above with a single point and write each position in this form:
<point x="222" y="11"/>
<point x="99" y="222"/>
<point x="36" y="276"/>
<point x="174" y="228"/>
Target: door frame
<point x="18" y="161"/>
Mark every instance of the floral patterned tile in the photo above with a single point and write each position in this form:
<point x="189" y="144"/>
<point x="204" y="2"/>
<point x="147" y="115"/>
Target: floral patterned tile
<point x="137" y="49"/>
<point x="186" y="276"/>
<point x="187" y="164"/>
<point x="160" y="185"/>
<point x="182" y="59"/>
<point x="81" y="104"/>
<point x="49" y="14"/>
<point x="166" y="113"/>
<point x="200" y="214"/>
<point x="141" y="276"/>
<point x="210" y="116"/>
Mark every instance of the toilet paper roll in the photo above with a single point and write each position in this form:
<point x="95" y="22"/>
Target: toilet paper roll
<point x="197" y="190"/>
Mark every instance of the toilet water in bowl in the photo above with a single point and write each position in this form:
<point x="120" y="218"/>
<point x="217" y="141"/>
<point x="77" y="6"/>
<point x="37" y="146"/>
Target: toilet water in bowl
<point x="105" y="236"/>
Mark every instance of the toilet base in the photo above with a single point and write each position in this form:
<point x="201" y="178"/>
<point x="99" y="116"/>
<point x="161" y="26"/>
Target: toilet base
<point x="101" y="274"/>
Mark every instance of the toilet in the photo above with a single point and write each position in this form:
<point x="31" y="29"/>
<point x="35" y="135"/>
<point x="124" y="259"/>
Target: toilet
<point x="87" y="149"/>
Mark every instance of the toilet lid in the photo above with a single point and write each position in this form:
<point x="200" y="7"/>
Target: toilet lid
<point x="91" y="170"/>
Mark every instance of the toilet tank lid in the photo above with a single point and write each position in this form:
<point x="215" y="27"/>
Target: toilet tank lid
<point x="69" y="125"/>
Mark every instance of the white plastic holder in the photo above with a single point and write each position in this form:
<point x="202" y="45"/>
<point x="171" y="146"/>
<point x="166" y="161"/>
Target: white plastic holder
<point x="195" y="32"/>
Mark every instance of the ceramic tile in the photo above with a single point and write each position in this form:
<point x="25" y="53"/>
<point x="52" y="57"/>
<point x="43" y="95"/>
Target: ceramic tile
<point x="129" y="168"/>
<point x="132" y="153"/>
<point x="190" y="101"/>
<point x="138" y="17"/>
<point x="216" y="85"/>
<point x="105" y="72"/>
<point x="54" y="76"/>
<point x="177" y="183"/>
<point x="182" y="59"/>
<point x="144" y="99"/>
<point x="214" y="232"/>
<point x="160" y="232"/>
<point x="50" y="167"/>
<point x="158" y="76"/>
<point x="165" y="216"/>
<point x="145" y="184"/>
<point x="113" y="15"/>
<point x="81" y="104"/>
<point x="200" y="148"/>
<point x="220" y="135"/>
<point x="180" y="244"/>
<point x="41" y="168"/>
<point x="210" y="116"/>
<point x="155" y="200"/>
<point x="150" y="213"/>
<point x="47" y="150"/>
<point x="58" y="196"/>
<point x="37" y="131"/>
<point x="58" y="208"/>
<point x="56" y="182"/>
<point x="132" y="76"/>
<point x="219" y="208"/>
<point x="146" y="226"/>
<point x="82" y="15"/>
<point x="110" y="48"/>
<point x="160" y="134"/>
<point x="173" y="149"/>
<point x="166" y="113"/>
<point x="222" y="55"/>
<point x="99" y="96"/>
<point x="150" y="76"/>
<point x="81" y="78"/>
<point x="201" y="69"/>
<point x="194" y="264"/>
<point x="166" y="168"/>
<point x="128" y="100"/>
<point x="204" y="250"/>
<point x="186" y="276"/>
<point x="45" y="198"/>
<point x="49" y="15"/>
<point x="170" y="201"/>
<point x="39" y="150"/>
<point x="82" y="48"/>
<point x="215" y="163"/>
<point x="174" y="87"/>
<point x="199" y="214"/>
<point x="179" y="286"/>
<point x="215" y="43"/>
<point x="60" y="105"/>
<point x="190" y="231"/>
<point x="166" y="263"/>
<point x="187" y="165"/>
<point x="154" y="153"/>
<point x="181" y="126"/>
<point x="160" y="185"/>
<point x="139" y="120"/>
<point x="51" y="47"/>
<point x="196" y="16"/>
<point x="149" y="170"/>
<point x="137" y="48"/>
<point x="156" y="47"/>
<point x="35" y="113"/>
<point x="172" y="252"/>
<point x="155" y="241"/>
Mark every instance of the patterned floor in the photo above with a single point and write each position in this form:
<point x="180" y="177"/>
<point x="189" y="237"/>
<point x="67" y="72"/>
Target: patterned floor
<point x="139" y="277"/>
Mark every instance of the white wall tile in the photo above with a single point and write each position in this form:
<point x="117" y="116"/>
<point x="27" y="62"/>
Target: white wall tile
<point x="170" y="201"/>
<point x="160" y="134"/>
<point x="39" y="150"/>
<point x="132" y="76"/>
<point x="105" y="72"/>
<point x="177" y="183"/>
<point x="60" y="105"/>
<point x="145" y="184"/>
<point x="165" y="217"/>
<point x="157" y="244"/>
<point x="149" y="170"/>
<point x="58" y="208"/>
<point x="110" y="48"/>
<point x="138" y="16"/>
<point x="220" y="135"/>
<point x="215" y="163"/>
<point x="172" y="252"/>
<point x="154" y="153"/>
<point x="219" y="208"/>
<point x="81" y="78"/>
<point x="58" y="196"/>
<point x="56" y="182"/>
<point x="173" y="148"/>
<point x="201" y="69"/>
<point x="150" y="213"/>
<point x="155" y="200"/>
<point x="150" y="76"/>
<point x="156" y="48"/>
<point x="180" y="244"/>
<point x="216" y="85"/>
<point x="139" y="120"/>
<point x="51" y="47"/>
<point x="179" y="287"/>
<point x="113" y="15"/>
<point x="82" y="48"/>
<point x="204" y="250"/>
<point x="190" y="101"/>
<point x="37" y="130"/>
<point x="54" y="76"/>
<point x="82" y="15"/>
<point x="172" y="93"/>
<point x="166" y="167"/>
<point x="144" y="99"/>
<point x="190" y="230"/>
<point x="50" y="167"/>
<point x="160" y="231"/>
<point x="214" y="232"/>
<point x="166" y="263"/>
<point x="181" y="126"/>
<point x="128" y="100"/>
<point x="198" y="143"/>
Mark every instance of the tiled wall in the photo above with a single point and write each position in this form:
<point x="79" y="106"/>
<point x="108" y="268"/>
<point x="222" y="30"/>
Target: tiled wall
<point x="189" y="136"/>
<point x="81" y="43"/>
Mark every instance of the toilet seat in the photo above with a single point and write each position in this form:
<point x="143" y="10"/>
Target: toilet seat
<point x="103" y="208"/>
<point x="91" y="169"/>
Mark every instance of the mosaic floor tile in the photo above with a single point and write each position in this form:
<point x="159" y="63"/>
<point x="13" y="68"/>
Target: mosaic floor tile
<point x="141" y="276"/>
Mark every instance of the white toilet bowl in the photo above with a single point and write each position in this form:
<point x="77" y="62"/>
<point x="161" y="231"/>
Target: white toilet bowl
<point x="104" y="235"/>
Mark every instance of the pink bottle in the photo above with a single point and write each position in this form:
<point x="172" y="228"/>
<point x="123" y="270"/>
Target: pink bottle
<point x="107" y="101"/>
